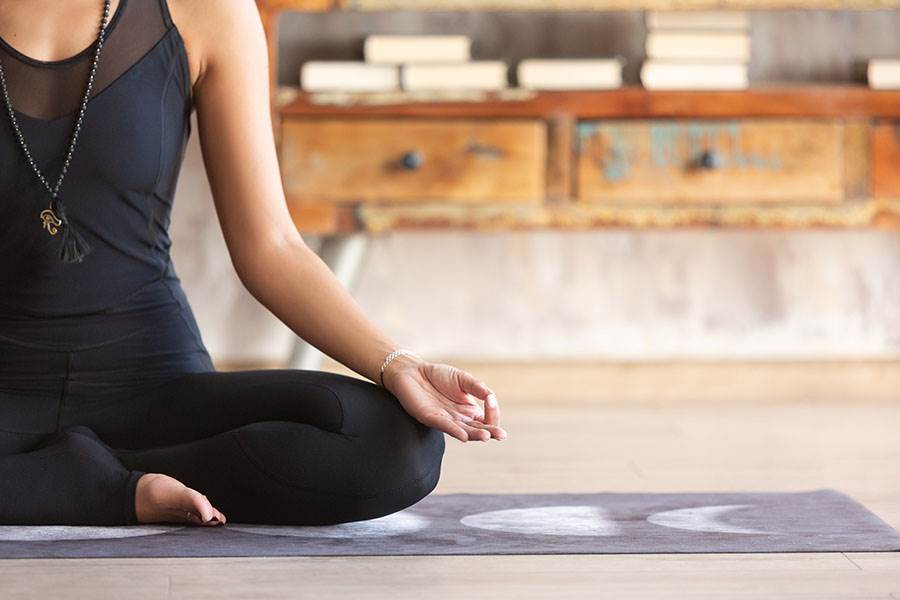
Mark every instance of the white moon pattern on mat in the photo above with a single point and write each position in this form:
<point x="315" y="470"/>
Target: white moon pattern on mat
<point x="701" y="518"/>
<point x="58" y="533"/>
<point x="546" y="520"/>
<point x="394" y="524"/>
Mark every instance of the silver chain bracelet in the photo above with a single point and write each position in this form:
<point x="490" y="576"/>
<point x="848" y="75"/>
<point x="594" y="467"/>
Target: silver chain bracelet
<point x="391" y="356"/>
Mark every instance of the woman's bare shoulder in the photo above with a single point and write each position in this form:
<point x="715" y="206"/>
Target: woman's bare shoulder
<point x="212" y="29"/>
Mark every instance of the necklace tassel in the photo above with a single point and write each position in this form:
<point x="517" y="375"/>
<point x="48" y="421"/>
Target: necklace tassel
<point x="74" y="247"/>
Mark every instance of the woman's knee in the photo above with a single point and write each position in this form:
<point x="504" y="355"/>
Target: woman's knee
<point x="431" y="446"/>
<point x="400" y="475"/>
<point x="402" y="453"/>
<point x="369" y="409"/>
<point x="416" y="467"/>
<point x="380" y="461"/>
<point x="392" y="439"/>
<point x="313" y="477"/>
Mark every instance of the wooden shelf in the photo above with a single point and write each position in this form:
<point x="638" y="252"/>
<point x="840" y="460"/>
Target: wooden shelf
<point x="377" y="218"/>
<point x="833" y="101"/>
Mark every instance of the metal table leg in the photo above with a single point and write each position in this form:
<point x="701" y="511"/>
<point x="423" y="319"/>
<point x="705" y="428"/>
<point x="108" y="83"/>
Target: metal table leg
<point x="344" y="255"/>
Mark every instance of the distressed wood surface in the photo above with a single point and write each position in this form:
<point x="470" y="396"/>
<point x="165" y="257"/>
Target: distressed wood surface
<point x="657" y="162"/>
<point x="877" y="213"/>
<point x="886" y="160"/>
<point x="836" y="101"/>
<point x="843" y="101"/>
<point x="324" y="217"/>
<point x="560" y="158"/>
<point x="856" y="158"/>
<point x="460" y="160"/>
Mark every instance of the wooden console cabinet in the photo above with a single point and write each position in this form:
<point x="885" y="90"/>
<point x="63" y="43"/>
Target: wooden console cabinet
<point x="785" y="157"/>
<point x="798" y="157"/>
<point x="817" y="156"/>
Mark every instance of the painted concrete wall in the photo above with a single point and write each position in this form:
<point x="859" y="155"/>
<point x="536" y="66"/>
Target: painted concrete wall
<point x="612" y="295"/>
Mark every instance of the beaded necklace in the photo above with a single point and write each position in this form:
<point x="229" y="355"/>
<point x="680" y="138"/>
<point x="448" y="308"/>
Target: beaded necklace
<point x="74" y="247"/>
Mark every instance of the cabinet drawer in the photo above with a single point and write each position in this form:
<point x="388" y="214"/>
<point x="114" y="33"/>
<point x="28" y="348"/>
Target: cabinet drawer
<point x="886" y="160"/>
<point x="406" y="160"/>
<point x="744" y="161"/>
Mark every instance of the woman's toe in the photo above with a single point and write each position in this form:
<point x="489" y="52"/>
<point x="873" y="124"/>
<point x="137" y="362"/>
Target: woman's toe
<point x="196" y="503"/>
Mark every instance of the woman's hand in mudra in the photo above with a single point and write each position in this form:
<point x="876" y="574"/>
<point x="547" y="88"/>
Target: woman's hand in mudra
<point x="444" y="397"/>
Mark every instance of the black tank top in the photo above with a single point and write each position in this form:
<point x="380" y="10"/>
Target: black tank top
<point x="121" y="180"/>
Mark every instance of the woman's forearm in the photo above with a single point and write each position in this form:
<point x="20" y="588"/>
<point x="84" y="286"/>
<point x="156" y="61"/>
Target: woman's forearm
<point x="298" y="287"/>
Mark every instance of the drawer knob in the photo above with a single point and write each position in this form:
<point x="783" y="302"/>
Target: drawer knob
<point x="412" y="161"/>
<point x="710" y="159"/>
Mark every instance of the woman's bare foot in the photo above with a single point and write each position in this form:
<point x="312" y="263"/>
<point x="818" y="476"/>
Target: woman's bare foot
<point x="163" y="499"/>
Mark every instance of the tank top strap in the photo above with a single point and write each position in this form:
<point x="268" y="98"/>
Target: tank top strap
<point x="166" y="15"/>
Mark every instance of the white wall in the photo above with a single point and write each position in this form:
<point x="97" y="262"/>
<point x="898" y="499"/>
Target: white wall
<point x="602" y="294"/>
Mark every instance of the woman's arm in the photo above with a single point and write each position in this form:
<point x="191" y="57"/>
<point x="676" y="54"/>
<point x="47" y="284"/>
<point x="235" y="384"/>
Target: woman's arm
<point x="231" y="94"/>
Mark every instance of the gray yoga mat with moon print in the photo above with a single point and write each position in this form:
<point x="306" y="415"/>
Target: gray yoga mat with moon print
<point x="592" y="523"/>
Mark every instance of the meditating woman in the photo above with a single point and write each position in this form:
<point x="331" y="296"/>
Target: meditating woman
<point x="111" y="411"/>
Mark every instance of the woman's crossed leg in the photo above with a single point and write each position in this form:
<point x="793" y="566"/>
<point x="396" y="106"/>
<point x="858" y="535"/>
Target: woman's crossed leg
<point x="265" y="446"/>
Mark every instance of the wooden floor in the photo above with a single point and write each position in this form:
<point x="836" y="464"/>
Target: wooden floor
<point x="590" y="427"/>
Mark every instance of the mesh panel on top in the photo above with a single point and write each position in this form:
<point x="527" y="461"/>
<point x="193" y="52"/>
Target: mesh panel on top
<point x="54" y="89"/>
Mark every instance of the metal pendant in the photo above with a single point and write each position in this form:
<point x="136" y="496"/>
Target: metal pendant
<point x="50" y="221"/>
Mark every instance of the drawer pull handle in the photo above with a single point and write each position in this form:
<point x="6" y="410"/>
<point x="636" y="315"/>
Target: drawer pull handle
<point x="412" y="161"/>
<point x="484" y="150"/>
<point x="709" y="160"/>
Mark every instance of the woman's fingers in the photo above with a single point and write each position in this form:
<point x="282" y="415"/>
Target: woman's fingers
<point x="484" y="431"/>
<point x="491" y="410"/>
<point x="474" y="386"/>
<point x="465" y="431"/>
<point x="448" y="425"/>
<point x="472" y="411"/>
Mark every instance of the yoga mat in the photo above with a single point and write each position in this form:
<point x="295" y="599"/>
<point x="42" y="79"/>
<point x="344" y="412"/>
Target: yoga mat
<point x="593" y="523"/>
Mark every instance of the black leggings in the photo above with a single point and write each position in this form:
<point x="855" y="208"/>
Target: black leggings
<point x="267" y="446"/>
<point x="78" y="427"/>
